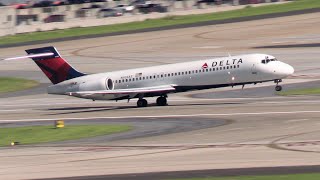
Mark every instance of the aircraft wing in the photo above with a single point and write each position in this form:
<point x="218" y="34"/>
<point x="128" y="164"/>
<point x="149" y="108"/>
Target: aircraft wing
<point x="131" y="91"/>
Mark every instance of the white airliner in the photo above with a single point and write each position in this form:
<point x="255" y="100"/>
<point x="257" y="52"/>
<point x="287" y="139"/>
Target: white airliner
<point x="157" y="80"/>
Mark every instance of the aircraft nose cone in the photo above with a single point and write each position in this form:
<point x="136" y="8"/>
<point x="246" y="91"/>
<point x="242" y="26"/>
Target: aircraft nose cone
<point x="289" y="70"/>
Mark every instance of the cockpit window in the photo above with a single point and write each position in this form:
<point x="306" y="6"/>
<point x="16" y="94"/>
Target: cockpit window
<point x="267" y="60"/>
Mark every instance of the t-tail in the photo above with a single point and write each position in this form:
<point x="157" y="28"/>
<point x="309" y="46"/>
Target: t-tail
<point x="53" y="65"/>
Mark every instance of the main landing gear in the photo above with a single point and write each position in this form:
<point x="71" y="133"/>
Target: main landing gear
<point x="161" y="101"/>
<point x="142" y="103"/>
<point x="278" y="87"/>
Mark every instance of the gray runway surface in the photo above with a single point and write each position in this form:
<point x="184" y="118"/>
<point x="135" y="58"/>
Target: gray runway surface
<point x="201" y="130"/>
<point x="257" y="92"/>
<point x="206" y="173"/>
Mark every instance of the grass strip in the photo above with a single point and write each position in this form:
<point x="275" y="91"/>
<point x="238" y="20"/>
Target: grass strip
<point x="43" y="134"/>
<point x="309" y="176"/>
<point x="9" y="84"/>
<point x="162" y="22"/>
<point x="308" y="91"/>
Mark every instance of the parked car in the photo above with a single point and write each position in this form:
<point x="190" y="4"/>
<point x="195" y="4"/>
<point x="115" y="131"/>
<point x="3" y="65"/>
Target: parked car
<point x="59" y="3"/>
<point x="98" y="1"/>
<point x="93" y="6"/>
<point x="54" y="18"/>
<point x="108" y="12"/>
<point x="77" y="1"/>
<point x="21" y="6"/>
<point x="43" y="4"/>
<point x="125" y="8"/>
<point x="137" y="3"/>
<point x="209" y="2"/>
<point x="153" y="7"/>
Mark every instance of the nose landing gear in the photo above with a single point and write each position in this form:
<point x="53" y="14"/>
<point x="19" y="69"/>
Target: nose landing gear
<point x="278" y="87"/>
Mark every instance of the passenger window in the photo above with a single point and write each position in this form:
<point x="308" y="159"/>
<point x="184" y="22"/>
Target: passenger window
<point x="227" y="67"/>
<point x="238" y="66"/>
<point x="213" y="69"/>
<point x="263" y="61"/>
<point x="220" y="68"/>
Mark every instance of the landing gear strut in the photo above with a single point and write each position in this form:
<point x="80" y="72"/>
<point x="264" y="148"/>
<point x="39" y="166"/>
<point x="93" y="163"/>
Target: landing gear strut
<point x="162" y="101"/>
<point x="278" y="87"/>
<point x="142" y="103"/>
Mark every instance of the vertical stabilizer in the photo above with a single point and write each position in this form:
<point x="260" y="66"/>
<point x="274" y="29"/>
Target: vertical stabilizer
<point x="54" y="66"/>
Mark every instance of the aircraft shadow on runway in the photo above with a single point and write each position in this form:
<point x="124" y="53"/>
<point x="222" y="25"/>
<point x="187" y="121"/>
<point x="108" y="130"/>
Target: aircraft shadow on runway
<point x="87" y="109"/>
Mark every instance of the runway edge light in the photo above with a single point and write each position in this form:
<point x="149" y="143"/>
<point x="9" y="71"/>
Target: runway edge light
<point x="59" y="124"/>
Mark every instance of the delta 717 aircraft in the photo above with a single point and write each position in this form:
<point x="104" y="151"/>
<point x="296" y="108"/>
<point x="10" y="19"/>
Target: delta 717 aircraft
<point x="157" y="80"/>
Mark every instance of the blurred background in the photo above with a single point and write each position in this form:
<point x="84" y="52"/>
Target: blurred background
<point x="23" y="16"/>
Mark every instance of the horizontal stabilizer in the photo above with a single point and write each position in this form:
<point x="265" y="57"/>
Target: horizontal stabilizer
<point x="40" y="55"/>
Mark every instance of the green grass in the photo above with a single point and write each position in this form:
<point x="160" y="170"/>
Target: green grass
<point x="167" y="21"/>
<point x="8" y="84"/>
<point x="308" y="91"/>
<point x="42" y="134"/>
<point x="311" y="176"/>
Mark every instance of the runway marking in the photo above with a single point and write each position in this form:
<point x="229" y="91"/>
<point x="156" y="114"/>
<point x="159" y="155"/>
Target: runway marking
<point x="12" y="110"/>
<point x="172" y="100"/>
<point x="292" y="127"/>
<point x="297" y="120"/>
<point x="233" y="129"/>
<point x="208" y="47"/>
<point x="160" y="116"/>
